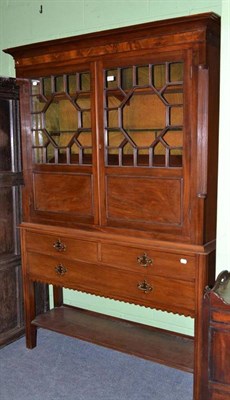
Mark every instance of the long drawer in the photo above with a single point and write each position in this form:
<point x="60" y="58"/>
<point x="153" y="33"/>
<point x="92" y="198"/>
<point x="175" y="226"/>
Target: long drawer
<point x="136" y="287"/>
<point x="75" y="249"/>
<point x="158" y="263"/>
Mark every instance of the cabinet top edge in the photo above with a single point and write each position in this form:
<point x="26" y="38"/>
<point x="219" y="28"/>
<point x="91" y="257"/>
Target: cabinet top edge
<point x="205" y="21"/>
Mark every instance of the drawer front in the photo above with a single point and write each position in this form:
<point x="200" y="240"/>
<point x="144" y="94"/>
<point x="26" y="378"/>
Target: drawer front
<point x="156" y="292"/>
<point x="75" y="249"/>
<point x="171" y="265"/>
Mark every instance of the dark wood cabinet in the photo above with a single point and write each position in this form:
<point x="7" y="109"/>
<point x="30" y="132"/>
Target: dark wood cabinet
<point x="11" y="183"/>
<point x="11" y="306"/>
<point x="216" y="350"/>
<point x="120" y="145"/>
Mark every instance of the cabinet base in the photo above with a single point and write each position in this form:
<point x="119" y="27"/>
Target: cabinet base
<point x="168" y="348"/>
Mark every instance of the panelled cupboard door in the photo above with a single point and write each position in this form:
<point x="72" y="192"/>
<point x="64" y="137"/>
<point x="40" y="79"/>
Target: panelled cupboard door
<point x="147" y="143"/>
<point x="60" y="146"/>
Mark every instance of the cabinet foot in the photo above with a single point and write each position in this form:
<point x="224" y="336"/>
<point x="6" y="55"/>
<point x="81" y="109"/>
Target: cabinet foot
<point x="31" y="337"/>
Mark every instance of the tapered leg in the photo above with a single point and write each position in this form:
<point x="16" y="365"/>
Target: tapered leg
<point x="57" y="296"/>
<point x="29" y="307"/>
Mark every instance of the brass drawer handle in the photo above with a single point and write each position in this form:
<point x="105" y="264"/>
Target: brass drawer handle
<point x="144" y="287"/>
<point x="144" y="260"/>
<point x="60" y="270"/>
<point x="59" y="245"/>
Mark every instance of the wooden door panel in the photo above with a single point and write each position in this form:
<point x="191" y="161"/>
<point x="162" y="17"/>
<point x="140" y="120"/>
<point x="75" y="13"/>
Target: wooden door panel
<point x="63" y="193"/>
<point x="144" y="199"/>
<point x="220" y="356"/>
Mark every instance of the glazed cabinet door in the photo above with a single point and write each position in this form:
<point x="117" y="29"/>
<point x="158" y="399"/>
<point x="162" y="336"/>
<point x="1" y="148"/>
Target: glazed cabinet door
<point x="146" y="135"/>
<point x="59" y="146"/>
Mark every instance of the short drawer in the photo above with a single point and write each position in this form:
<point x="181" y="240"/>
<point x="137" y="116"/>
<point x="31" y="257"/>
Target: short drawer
<point x="171" y="265"/>
<point x="136" y="287"/>
<point x="76" y="249"/>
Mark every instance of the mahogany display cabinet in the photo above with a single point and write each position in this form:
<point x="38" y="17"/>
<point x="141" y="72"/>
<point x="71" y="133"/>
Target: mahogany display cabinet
<point x="120" y="145"/>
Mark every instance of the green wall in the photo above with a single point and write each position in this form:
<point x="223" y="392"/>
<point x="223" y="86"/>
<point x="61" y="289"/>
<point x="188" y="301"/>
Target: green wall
<point x="22" y="23"/>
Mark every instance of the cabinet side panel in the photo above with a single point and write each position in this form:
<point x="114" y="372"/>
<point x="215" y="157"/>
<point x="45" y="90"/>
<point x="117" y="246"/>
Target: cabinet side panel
<point x="213" y="126"/>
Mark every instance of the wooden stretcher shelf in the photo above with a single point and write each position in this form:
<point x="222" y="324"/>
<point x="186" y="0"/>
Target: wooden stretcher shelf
<point x="153" y="344"/>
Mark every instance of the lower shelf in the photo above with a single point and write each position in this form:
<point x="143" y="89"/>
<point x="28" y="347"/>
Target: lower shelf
<point x="153" y="344"/>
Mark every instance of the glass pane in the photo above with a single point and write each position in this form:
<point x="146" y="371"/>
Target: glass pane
<point x="62" y="156"/>
<point x="86" y="119"/>
<point x="52" y="118"/>
<point x="59" y="84"/>
<point x="40" y="138"/>
<point x="39" y="155"/>
<point x="74" y="154"/>
<point x="143" y="76"/>
<point x="87" y="157"/>
<point x="71" y="84"/>
<point x="5" y="145"/>
<point x="50" y="154"/>
<point x="115" y="138"/>
<point x="85" y="82"/>
<point x="83" y="102"/>
<point x="47" y="86"/>
<point x="113" y="157"/>
<point x="159" y="75"/>
<point x="144" y="111"/>
<point x="176" y="116"/>
<point x="68" y="116"/>
<point x="114" y="101"/>
<point x="128" y="148"/>
<point x="126" y="78"/>
<point x="37" y="121"/>
<point x="112" y="119"/>
<point x="143" y="157"/>
<point x="111" y="78"/>
<point x="35" y="88"/>
<point x="174" y="138"/>
<point x="159" y="149"/>
<point x="139" y="117"/>
<point x="173" y="95"/>
<point x="175" y="159"/>
<point x="85" y="139"/>
<point x="63" y="139"/>
<point x="38" y="103"/>
<point x="159" y="155"/>
<point x="176" y="72"/>
<point x="59" y="119"/>
<point x="142" y="138"/>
